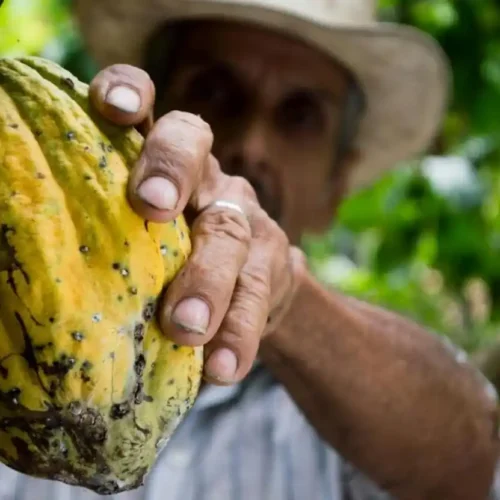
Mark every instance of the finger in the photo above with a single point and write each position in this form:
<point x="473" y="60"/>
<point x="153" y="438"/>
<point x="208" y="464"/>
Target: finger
<point x="230" y="355"/>
<point x="123" y="94"/>
<point x="197" y="300"/>
<point x="172" y="165"/>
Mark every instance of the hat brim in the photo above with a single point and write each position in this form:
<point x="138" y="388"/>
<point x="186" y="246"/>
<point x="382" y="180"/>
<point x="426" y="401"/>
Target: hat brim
<point x="403" y="72"/>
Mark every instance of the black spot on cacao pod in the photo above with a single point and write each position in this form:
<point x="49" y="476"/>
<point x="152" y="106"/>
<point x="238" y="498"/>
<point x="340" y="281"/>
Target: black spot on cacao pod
<point x="119" y="410"/>
<point x="99" y="434"/>
<point x="40" y="175"/>
<point x="87" y="177"/>
<point x="89" y="417"/>
<point x="67" y="361"/>
<point x="13" y="125"/>
<point x="139" y="332"/>
<point x="52" y="319"/>
<point x="120" y="298"/>
<point x="102" y="468"/>
<point x="68" y="82"/>
<point x="4" y="373"/>
<point x="132" y="290"/>
<point x="60" y="367"/>
<point x="109" y="148"/>
<point x="108" y="488"/>
<point x="171" y="381"/>
<point x="43" y="442"/>
<point x="52" y="388"/>
<point x="75" y="408"/>
<point x="52" y="422"/>
<point x="176" y="253"/>
<point x="138" y="393"/>
<point x="139" y="365"/>
<point x="149" y="311"/>
<point x="78" y="336"/>
<point x="148" y="398"/>
<point x="13" y="394"/>
<point x="103" y="162"/>
<point x="70" y="135"/>
<point x="84" y="370"/>
<point x="175" y="347"/>
<point x="84" y="249"/>
<point x="116" y="266"/>
<point x="22" y="449"/>
<point x="40" y="347"/>
<point x="63" y="450"/>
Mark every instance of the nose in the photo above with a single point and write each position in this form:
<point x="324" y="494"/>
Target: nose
<point x="248" y="151"/>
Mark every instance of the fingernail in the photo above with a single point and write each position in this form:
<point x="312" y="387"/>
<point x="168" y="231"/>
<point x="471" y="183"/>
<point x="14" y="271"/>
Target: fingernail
<point x="222" y="364"/>
<point x="192" y="315"/>
<point x="124" y="98"/>
<point x="159" y="192"/>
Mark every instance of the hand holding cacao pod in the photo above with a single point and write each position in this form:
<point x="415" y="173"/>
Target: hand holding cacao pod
<point x="242" y="274"/>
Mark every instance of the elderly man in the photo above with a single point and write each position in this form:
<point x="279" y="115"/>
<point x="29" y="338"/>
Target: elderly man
<point x="267" y="113"/>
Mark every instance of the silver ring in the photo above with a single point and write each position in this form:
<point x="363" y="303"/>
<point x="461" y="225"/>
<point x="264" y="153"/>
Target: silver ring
<point x="228" y="204"/>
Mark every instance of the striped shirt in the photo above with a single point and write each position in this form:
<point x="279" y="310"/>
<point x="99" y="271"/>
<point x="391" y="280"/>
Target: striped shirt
<point x="244" y="442"/>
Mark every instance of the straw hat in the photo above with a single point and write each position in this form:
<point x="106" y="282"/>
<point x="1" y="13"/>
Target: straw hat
<point x="402" y="72"/>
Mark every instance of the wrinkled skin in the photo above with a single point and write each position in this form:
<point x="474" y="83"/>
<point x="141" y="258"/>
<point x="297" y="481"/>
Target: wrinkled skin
<point x="276" y="126"/>
<point x="389" y="397"/>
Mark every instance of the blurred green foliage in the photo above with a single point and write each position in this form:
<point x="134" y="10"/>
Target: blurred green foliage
<point x="425" y="239"/>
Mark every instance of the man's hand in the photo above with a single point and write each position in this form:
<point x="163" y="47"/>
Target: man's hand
<point x="241" y="271"/>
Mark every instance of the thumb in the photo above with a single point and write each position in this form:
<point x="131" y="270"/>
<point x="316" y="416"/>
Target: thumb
<point x="124" y="95"/>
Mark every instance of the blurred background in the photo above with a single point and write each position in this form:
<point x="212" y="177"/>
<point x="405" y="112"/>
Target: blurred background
<point x="425" y="240"/>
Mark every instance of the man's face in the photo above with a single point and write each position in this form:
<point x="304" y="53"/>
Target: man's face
<point x="275" y="108"/>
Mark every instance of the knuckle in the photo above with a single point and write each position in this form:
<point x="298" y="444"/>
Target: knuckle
<point x="241" y="185"/>
<point x="177" y="144"/>
<point x="254" y="283"/>
<point x="193" y="121"/>
<point x="267" y="228"/>
<point x="166" y="155"/>
<point x="241" y="326"/>
<point x="225" y="224"/>
<point x="170" y="155"/>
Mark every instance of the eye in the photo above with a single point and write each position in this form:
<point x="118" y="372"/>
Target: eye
<point x="214" y="90"/>
<point x="301" y="111"/>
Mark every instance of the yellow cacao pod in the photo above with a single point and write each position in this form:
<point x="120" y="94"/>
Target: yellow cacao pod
<point x="90" y="390"/>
